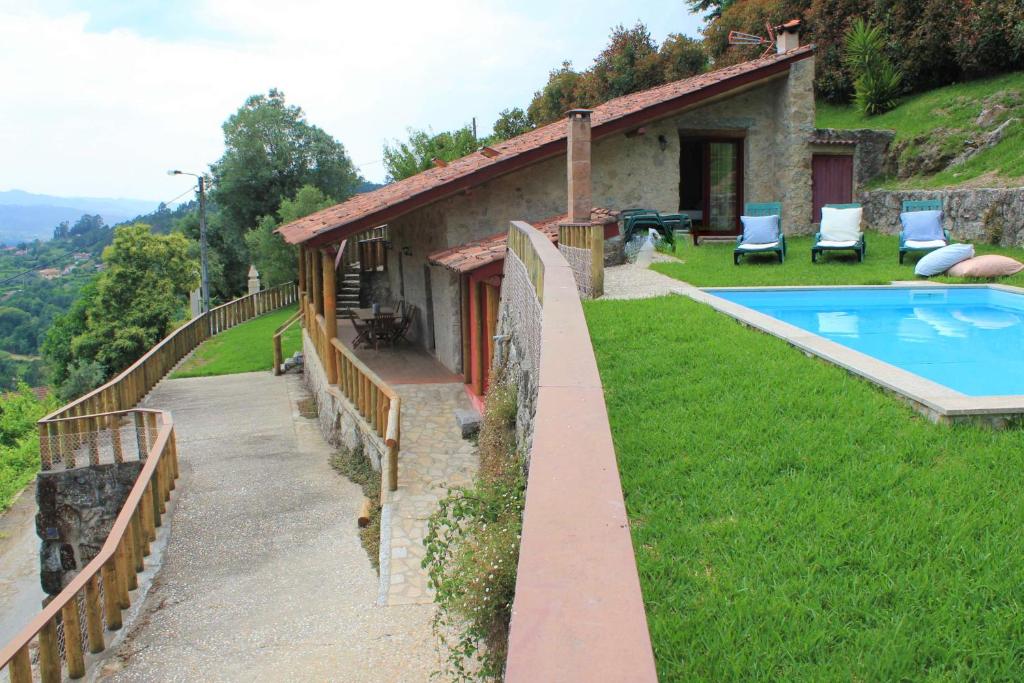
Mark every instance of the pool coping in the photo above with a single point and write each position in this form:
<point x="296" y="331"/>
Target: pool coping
<point x="938" y="402"/>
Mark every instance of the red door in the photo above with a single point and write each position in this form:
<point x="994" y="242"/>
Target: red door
<point x="831" y="181"/>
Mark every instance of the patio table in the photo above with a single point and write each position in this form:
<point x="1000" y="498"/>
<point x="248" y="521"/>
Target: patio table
<point x="366" y="314"/>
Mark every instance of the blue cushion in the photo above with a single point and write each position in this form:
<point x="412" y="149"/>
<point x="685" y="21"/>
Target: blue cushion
<point x="922" y="226"/>
<point x="941" y="260"/>
<point x="760" y="229"/>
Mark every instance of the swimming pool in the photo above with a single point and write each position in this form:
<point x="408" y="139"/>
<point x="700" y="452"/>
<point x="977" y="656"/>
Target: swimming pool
<point x="969" y="338"/>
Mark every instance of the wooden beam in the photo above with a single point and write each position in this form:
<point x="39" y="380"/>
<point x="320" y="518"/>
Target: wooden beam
<point x="329" y="297"/>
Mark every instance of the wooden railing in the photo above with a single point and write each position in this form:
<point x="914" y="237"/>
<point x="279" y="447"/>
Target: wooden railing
<point x="590" y="238"/>
<point x="520" y="241"/>
<point x="131" y="385"/>
<point x="372" y="255"/>
<point x="351" y="250"/>
<point x="54" y="641"/>
<point x="278" y="333"/>
<point x="378" y="403"/>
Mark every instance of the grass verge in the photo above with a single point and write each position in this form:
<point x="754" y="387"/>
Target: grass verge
<point x="792" y="522"/>
<point x="710" y="265"/>
<point x="356" y="467"/>
<point x="245" y="348"/>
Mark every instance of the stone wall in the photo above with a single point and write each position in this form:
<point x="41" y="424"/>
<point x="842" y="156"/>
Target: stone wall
<point x="987" y="216"/>
<point x="77" y="509"/>
<point x="340" y="422"/>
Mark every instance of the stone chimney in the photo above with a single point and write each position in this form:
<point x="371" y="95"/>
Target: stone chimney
<point x="578" y="160"/>
<point x="787" y="36"/>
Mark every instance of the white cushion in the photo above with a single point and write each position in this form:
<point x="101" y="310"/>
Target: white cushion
<point x="754" y="247"/>
<point x="845" y="244"/>
<point x="941" y="260"/>
<point x="929" y="244"/>
<point x="840" y="225"/>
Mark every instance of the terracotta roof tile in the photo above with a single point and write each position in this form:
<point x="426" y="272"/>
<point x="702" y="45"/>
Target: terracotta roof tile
<point x="468" y="257"/>
<point x="395" y="199"/>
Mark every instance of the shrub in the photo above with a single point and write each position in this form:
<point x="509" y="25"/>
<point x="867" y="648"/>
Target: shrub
<point x="877" y="82"/>
<point x="472" y="549"/>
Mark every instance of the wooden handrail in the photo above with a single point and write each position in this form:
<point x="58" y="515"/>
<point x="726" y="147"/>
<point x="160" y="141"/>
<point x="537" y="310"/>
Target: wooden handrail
<point x="278" y="356"/>
<point x="115" y="566"/>
<point x="377" y="402"/>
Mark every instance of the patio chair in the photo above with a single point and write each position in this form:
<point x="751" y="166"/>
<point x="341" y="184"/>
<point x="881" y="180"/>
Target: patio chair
<point x="383" y="327"/>
<point x="922" y="246"/>
<point x="404" y="324"/>
<point x="642" y="223"/>
<point x="776" y="246"/>
<point x="363" y="330"/>
<point x="821" y="245"/>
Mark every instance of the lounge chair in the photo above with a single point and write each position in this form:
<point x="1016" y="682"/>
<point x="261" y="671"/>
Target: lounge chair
<point x="775" y="246"/>
<point x="922" y="246"/>
<point x="821" y="245"/>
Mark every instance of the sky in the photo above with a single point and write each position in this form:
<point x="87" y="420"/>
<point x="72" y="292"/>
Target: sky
<point x="101" y="98"/>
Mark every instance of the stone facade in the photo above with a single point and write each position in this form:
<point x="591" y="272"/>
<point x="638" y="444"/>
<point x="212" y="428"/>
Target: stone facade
<point x="340" y="422"/>
<point x="989" y="216"/>
<point x="775" y="120"/>
<point x="77" y="509"/>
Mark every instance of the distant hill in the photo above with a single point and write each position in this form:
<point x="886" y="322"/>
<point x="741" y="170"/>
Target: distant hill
<point x="25" y="216"/>
<point x="367" y="186"/>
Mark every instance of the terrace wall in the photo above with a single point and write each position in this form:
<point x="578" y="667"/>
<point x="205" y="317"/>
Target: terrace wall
<point x="991" y="216"/>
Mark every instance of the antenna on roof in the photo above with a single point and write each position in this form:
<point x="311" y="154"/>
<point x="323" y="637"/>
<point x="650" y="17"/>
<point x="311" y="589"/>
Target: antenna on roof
<point x="741" y="38"/>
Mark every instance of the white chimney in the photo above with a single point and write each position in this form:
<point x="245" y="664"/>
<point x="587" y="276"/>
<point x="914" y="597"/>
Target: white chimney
<point x="787" y="36"/>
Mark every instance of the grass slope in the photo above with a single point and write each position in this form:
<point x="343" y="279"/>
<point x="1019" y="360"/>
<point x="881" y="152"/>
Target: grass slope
<point x="710" y="265"/>
<point x="245" y="348"/>
<point x="953" y="109"/>
<point x="792" y="522"/>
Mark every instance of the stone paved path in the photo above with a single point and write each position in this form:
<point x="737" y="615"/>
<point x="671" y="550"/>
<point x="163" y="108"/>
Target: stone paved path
<point x="264" y="577"/>
<point x="638" y="281"/>
<point x="434" y="456"/>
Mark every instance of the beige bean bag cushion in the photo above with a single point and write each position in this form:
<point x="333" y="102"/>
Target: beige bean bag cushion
<point x="989" y="265"/>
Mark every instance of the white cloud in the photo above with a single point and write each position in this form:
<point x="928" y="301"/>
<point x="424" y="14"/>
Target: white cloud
<point x="106" y="113"/>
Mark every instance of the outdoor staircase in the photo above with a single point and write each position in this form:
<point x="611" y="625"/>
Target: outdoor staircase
<point x="348" y="291"/>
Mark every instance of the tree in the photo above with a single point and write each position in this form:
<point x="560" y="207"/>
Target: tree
<point x="61" y="231"/>
<point x="628" y="64"/>
<point x="275" y="259"/>
<point x="271" y="151"/>
<point x="559" y="95"/>
<point x="681" y="57"/>
<point x="128" y="308"/>
<point x="512" y="123"/>
<point x="405" y="159"/>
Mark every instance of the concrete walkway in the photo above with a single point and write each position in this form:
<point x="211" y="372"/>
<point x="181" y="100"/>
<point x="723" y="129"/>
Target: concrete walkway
<point x="264" y="577"/>
<point x="638" y="281"/>
<point x="21" y="595"/>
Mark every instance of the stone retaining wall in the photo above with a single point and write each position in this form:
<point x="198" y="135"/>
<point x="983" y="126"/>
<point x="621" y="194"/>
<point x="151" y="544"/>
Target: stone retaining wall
<point x="77" y="509"/>
<point x="340" y="422"/>
<point x="987" y="216"/>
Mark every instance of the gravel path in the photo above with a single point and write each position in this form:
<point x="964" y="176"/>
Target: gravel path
<point x="638" y="281"/>
<point x="264" y="577"/>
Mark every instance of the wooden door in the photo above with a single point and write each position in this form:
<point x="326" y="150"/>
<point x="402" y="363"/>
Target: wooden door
<point x="831" y="181"/>
<point x="490" y="319"/>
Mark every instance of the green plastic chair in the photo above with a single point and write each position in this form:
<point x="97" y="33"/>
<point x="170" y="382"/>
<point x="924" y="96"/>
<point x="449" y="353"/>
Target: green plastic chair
<point x="778" y="247"/>
<point x="860" y="245"/>
<point x="921" y="205"/>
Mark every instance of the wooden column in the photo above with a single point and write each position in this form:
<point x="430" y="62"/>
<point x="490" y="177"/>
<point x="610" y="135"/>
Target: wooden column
<point x="302" y="267"/>
<point x="330" y="296"/>
<point x="318" y="285"/>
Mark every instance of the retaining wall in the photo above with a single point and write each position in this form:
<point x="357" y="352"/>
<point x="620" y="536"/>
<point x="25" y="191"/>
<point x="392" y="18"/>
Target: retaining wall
<point x="988" y="216"/>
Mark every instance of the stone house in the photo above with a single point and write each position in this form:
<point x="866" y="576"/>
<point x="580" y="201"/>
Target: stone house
<point x="704" y="146"/>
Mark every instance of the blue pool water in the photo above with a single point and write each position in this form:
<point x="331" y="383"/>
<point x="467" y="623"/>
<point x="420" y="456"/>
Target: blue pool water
<point x="968" y="339"/>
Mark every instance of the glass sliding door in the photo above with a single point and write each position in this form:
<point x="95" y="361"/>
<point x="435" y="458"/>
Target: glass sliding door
<point x="723" y="187"/>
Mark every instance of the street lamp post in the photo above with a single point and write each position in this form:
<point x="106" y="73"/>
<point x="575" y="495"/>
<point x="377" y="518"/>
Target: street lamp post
<point x="204" y="286"/>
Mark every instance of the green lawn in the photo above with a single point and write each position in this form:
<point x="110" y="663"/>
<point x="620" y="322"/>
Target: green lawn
<point x="245" y="348"/>
<point x="793" y="522"/>
<point x="950" y="111"/>
<point x="710" y="265"/>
